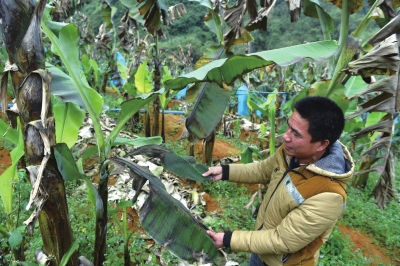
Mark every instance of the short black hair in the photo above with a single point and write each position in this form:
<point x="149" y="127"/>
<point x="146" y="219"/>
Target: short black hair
<point x="325" y="118"/>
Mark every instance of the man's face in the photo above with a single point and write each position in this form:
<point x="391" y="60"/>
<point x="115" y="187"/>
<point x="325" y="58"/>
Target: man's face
<point x="297" y="141"/>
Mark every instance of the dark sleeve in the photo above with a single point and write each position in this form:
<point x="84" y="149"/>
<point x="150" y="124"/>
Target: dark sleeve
<point x="225" y="172"/>
<point x="227" y="239"/>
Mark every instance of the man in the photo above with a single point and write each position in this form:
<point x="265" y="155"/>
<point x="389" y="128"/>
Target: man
<point x="307" y="177"/>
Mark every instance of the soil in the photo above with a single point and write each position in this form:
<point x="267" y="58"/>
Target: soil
<point x="364" y="243"/>
<point x="223" y="149"/>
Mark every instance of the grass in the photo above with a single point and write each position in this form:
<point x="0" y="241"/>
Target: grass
<point x="383" y="225"/>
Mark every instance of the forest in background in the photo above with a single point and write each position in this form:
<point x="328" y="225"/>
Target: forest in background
<point x="190" y="28"/>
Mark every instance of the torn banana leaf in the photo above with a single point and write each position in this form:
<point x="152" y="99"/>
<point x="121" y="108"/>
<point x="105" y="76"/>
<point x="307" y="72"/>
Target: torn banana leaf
<point x="172" y="162"/>
<point x="170" y="223"/>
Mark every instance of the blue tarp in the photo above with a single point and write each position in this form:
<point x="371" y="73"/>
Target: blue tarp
<point x="181" y="95"/>
<point x="242" y="94"/>
<point x="116" y="80"/>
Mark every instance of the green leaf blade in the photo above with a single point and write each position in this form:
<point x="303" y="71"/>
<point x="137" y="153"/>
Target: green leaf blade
<point x="167" y="222"/>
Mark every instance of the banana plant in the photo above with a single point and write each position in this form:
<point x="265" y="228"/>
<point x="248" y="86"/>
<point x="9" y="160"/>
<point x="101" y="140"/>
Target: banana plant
<point x="31" y="82"/>
<point x="152" y="14"/>
<point x="62" y="44"/>
<point x="341" y="55"/>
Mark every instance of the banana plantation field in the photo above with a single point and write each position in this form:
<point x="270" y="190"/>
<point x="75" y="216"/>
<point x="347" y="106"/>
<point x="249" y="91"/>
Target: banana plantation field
<point x="105" y="133"/>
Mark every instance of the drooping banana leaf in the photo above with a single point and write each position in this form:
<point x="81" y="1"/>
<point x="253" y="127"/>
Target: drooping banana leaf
<point x="392" y="27"/>
<point x="226" y="71"/>
<point x="312" y="8"/>
<point x="247" y="154"/>
<point x="64" y="87"/>
<point x="354" y="5"/>
<point x="381" y="146"/>
<point x="213" y="99"/>
<point x="172" y="162"/>
<point x="65" y="46"/>
<point x="208" y="110"/>
<point x="128" y="109"/>
<point x="70" y="171"/>
<point x="153" y="12"/>
<point x="383" y="59"/>
<point x="170" y="223"/>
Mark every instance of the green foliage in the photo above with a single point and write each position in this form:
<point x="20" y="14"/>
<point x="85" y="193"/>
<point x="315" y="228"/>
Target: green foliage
<point x="338" y="251"/>
<point x="231" y="198"/>
<point x="362" y="213"/>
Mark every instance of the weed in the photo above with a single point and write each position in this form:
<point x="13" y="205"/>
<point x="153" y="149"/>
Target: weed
<point x="338" y="251"/>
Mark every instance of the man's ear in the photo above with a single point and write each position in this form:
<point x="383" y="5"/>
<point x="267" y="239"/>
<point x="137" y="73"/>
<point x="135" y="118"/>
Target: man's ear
<point x="324" y="144"/>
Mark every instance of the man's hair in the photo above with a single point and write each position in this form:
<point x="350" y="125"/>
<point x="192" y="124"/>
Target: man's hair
<point x="325" y="118"/>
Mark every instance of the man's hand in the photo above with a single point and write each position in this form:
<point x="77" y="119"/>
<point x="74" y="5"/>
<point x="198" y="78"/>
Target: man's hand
<point x="217" y="238"/>
<point x="215" y="172"/>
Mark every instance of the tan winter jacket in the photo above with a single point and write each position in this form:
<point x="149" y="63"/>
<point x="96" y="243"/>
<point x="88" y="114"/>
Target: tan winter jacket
<point x="300" y="208"/>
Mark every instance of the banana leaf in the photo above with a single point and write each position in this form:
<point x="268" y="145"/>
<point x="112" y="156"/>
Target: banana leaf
<point x="70" y="171"/>
<point x="69" y="118"/>
<point x="212" y="99"/>
<point x="381" y="147"/>
<point x="208" y="110"/>
<point x="170" y="223"/>
<point x="383" y="59"/>
<point x="226" y="71"/>
<point x="172" y="162"/>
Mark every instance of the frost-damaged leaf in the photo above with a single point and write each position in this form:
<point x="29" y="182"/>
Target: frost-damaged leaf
<point x="169" y="223"/>
<point x="48" y="141"/>
<point x="18" y="21"/>
<point x="391" y="28"/>
<point x="383" y="102"/>
<point x="384" y="188"/>
<point x="354" y="5"/>
<point x="227" y="70"/>
<point x="260" y="22"/>
<point x="172" y="162"/>
<point x="381" y="147"/>
<point x="176" y="11"/>
<point x="153" y="12"/>
<point x="295" y="9"/>
<point x="383" y="59"/>
<point x="66" y="8"/>
<point x="3" y="91"/>
<point x="208" y="110"/>
<point x="235" y="16"/>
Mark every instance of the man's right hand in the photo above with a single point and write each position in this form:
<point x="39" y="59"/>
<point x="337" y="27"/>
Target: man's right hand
<point x="215" y="172"/>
